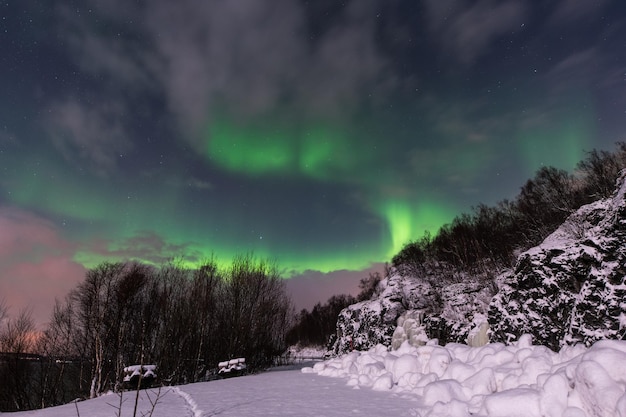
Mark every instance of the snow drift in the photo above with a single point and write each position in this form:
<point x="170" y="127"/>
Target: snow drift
<point x="521" y="379"/>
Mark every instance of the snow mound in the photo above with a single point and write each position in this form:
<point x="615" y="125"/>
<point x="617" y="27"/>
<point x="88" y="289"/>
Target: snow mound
<point x="520" y="379"/>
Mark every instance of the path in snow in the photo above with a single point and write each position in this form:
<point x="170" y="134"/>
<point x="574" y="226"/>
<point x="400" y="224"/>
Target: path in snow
<point x="292" y="393"/>
<point x="280" y="393"/>
<point x="192" y="406"/>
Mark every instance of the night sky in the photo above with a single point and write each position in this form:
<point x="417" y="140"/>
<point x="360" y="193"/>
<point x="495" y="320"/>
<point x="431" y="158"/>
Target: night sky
<point x="322" y="134"/>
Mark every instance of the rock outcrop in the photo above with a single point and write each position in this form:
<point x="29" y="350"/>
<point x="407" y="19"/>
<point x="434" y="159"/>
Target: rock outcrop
<point x="571" y="288"/>
<point x="414" y="309"/>
<point x="368" y="323"/>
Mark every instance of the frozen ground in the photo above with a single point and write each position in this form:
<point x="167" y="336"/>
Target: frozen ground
<point x="430" y="381"/>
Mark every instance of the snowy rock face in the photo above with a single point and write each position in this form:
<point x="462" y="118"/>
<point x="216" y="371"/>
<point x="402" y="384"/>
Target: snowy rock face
<point x="463" y="316"/>
<point x="372" y="322"/>
<point x="571" y="288"/>
<point x="408" y="308"/>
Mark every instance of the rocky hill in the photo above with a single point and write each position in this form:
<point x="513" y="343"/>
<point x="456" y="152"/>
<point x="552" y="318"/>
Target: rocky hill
<point x="416" y="309"/>
<point x="569" y="289"/>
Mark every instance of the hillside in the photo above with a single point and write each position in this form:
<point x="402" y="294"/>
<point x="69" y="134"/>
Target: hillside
<point x="569" y="289"/>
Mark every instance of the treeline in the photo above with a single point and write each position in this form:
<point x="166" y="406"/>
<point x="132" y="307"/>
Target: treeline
<point x="314" y="328"/>
<point x="183" y="320"/>
<point x="17" y="343"/>
<point x="318" y="327"/>
<point x="491" y="236"/>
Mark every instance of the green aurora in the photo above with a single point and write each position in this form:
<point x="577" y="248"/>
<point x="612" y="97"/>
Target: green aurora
<point x="156" y="219"/>
<point x="318" y="151"/>
<point x="321" y="135"/>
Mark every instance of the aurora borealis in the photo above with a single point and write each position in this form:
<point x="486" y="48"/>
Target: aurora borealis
<point x="322" y="134"/>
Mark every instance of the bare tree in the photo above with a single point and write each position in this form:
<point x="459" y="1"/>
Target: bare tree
<point x="256" y="310"/>
<point x="601" y="169"/>
<point x="59" y="380"/>
<point x="175" y="321"/>
<point x="17" y="339"/>
<point x="4" y="310"/>
<point x="206" y="287"/>
<point x="93" y="299"/>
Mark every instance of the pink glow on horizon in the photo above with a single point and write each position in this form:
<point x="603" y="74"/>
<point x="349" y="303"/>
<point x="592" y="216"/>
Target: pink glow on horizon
<point x="36" y="264"/>
<point x="312" y="287"/>
<point x="37" y="267"/>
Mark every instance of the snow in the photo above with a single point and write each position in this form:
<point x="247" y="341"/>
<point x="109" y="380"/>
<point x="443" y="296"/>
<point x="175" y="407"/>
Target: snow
<point x="149" y="371"/>
<point x="457" y="380"/>
<point x="493" y="380"/>
<point x="232" y="366"/>
<point x="282" y="393"/>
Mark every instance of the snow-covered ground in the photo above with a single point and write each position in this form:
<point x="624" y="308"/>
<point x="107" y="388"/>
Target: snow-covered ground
<point x="285" y="393"/>
<point x="434" y="381"/>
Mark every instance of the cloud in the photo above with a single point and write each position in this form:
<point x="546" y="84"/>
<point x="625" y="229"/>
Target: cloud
<point x="236" y="53"/>
<point x="576" y="71"/>
<point x="90" y="135"/>
<point x="466" y="29"/>
<point x="6" y="138"/>
<point x="26" y="233"/>
<point x="113" y="51"/>
<point x="145" y="246"/>
<point x="567" y="11"/>
<point x="188" y="182"/>
<point x="469" y="131"/>
<point x="345" y="65"/>
<point x="248" y="57"/>
<point x="199" y="184"/>
<point x="35" y="263"/>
